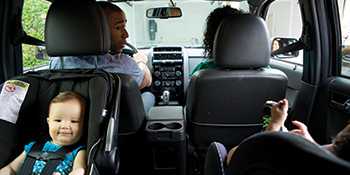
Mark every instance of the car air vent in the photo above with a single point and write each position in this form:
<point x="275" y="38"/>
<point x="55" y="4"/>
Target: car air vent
<point x="167" y="49"/>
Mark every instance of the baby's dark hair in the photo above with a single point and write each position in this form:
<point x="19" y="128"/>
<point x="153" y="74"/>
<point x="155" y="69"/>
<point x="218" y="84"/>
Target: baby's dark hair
<point x="341" y="143"/>
<point x="69" y="95"/>
<point x="213" y="21"/>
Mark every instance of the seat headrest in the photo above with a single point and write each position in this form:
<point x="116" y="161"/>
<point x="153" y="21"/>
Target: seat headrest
<point x="242" y="41"/>
<point x="76" y="28"/>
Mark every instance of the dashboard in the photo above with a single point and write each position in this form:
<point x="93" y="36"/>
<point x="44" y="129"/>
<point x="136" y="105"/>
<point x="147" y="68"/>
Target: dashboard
<point x="171" y="69"/>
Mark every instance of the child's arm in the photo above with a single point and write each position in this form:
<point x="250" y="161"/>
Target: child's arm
<point x="14" y="166"/>
<point x="230" y="154"/>
<point x="279" y="112"/>
<point x="79" y="165"/>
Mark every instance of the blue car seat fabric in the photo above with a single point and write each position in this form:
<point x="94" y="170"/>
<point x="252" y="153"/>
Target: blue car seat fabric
<point x="279" y="153"/>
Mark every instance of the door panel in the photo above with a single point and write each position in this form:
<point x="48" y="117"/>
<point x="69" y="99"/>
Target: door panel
<point x="338" y="114"/>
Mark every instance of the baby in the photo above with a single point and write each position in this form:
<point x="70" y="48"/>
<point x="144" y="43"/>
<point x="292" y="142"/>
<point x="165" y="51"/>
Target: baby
<point x="66" y="119"/>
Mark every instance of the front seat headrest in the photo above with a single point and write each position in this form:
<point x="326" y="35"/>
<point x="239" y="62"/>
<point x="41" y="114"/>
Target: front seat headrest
<point x="76" y="28"/>
<point x="241" y="42"/>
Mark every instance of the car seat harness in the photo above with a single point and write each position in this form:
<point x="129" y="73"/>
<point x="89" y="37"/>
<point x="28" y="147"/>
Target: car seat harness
<point x="52" y="159"/>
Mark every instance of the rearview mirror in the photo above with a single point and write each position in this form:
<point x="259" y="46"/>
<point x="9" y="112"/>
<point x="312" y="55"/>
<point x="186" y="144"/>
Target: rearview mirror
<point x="164" y="12"/>
<point x="278" y="44"/>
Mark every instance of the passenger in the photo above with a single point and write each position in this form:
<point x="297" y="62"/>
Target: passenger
<point x="340" y="145"/>
<point x="213" y="21"/>
<point x="135" y="66"/>
<point x="66" y="119"/>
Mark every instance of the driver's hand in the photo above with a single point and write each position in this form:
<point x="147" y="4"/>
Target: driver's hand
<point x="140" y="57"/>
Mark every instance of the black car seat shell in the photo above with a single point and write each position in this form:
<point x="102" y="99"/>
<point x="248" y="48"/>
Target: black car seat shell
<point x="225" y="103"/>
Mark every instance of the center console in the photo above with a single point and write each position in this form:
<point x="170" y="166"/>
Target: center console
<point x="165" y="133"/>
<point x="168" y="75"/>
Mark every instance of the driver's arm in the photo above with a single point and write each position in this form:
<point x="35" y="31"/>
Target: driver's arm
<point x="141" y="60"/>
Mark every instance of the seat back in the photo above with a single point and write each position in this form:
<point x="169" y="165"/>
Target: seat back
<point x="283" y="153"/>
<point x="132" y="113"/>
<point x="225" y="104"/>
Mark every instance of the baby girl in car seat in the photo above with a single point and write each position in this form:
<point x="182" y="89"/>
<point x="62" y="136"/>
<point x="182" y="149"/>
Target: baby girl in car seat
<point x="66" y="119"/>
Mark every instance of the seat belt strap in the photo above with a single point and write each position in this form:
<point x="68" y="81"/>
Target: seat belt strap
<point x="29" y="161"/>
<point x="52" y="159"/>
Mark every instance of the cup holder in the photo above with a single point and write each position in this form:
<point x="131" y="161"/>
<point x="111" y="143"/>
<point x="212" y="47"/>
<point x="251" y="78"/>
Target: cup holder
<point x="169" y="126"/>
<point x="173" y="125"/>
<point x="156" y="126"/>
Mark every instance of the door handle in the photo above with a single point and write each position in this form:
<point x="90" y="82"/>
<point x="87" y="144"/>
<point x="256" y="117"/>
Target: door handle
<point x="346" y="106"/>
<point x="342" y="106"/>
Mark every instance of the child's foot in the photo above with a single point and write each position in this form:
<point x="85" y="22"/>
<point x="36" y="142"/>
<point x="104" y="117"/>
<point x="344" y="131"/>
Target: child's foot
<point x="279" y="112"/>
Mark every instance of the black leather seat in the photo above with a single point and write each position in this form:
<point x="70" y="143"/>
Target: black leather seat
<point x="132" y="122"/>
<point x="225" y="104"/>
<point x="274" y="153"/>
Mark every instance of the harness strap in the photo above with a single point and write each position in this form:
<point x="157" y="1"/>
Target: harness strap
<point x="29" y="161"/>
<point x="52" y="159"/>
<point x="52" y="164"/>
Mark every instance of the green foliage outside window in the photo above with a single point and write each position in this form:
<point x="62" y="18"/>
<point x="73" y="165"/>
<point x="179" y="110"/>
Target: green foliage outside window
<point x="33" y="21"/>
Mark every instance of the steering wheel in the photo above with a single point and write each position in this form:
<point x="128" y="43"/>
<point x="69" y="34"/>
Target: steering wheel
<point x="130" y="50"/>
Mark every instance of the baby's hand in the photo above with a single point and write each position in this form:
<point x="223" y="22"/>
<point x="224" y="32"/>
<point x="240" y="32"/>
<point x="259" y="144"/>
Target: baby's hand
<point x="279" y="112"/>
<point x="78" y="171"/>
<point x="301" y="130"/>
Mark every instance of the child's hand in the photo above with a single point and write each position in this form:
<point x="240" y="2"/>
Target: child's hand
<point x="78" y="171"/>
<point x="301" y="130"/>
<point x="279" y="112"/>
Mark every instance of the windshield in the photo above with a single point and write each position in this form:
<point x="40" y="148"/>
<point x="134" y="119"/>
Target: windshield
<point x="186" y="30"/>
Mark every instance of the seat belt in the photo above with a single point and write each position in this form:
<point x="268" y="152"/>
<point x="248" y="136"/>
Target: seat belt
<point x="52" y="159"/>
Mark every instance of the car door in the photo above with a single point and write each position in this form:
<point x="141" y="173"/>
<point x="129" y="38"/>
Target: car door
<point x="319" y="83"/>
<point x="333" y="100"/>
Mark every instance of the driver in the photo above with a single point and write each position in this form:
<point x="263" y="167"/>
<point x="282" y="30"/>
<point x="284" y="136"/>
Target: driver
<point x="117" y="62"/>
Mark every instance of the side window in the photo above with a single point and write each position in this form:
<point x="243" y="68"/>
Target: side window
<point x="344" y="14"/>
<point x="285" y="23"/>
<point x="33" y="22"/>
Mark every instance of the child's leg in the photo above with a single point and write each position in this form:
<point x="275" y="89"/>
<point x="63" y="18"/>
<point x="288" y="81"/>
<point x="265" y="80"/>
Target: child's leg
<point x="279" y="112"/>
<point x="230" y="154"/>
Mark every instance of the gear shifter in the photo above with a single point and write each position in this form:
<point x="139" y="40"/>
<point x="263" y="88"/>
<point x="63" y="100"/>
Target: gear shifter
<point x="166" y="97"/>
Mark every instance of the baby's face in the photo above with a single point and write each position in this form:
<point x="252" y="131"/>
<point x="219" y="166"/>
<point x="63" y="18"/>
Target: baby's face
<point x="65" y="122"/>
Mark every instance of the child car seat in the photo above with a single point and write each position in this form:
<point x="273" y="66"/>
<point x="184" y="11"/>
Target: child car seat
<point x="68" y="24"/>
<point x="274" y="153"/>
